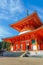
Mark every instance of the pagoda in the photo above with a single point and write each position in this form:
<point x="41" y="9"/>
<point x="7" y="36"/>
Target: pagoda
<point x="30" y="35"/>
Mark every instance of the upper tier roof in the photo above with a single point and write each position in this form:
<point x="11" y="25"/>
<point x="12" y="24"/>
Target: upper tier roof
<point x="32" y="21"/>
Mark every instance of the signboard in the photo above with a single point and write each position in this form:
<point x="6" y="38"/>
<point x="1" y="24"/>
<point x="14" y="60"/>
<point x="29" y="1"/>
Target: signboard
<point x="33" y="41"/>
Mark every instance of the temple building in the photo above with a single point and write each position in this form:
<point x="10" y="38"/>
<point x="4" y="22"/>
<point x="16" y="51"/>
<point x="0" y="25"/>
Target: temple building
<point x="30" y="35"/>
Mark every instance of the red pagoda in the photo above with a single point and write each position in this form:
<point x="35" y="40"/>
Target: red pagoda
<point x="30" y="36"/>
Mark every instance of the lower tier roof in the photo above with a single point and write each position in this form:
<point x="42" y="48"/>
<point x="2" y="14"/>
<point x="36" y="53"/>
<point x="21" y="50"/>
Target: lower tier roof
<point x="38" y="33"/>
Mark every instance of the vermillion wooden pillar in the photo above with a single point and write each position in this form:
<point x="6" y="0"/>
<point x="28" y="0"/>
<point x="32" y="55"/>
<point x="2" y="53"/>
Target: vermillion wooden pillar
<point x="23" y="48"/>
<point x="14" y="47"/>
<point x="30" y="44"/>
<point x="18" y="46"/>
<point x="41" y="46"/>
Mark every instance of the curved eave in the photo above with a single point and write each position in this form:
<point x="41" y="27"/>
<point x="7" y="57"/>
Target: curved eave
<point x="7" y="40"/>
<point x="37" y="32"/>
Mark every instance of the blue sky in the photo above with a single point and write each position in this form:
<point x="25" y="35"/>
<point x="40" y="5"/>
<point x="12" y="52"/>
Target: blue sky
<point x="12" y="11"/>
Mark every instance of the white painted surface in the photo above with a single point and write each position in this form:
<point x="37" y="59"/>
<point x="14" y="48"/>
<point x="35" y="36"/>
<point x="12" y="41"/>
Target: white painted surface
<point x="24" y="32"/>
<point x="34" y="47"/>
<point x="12" y="48"/>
